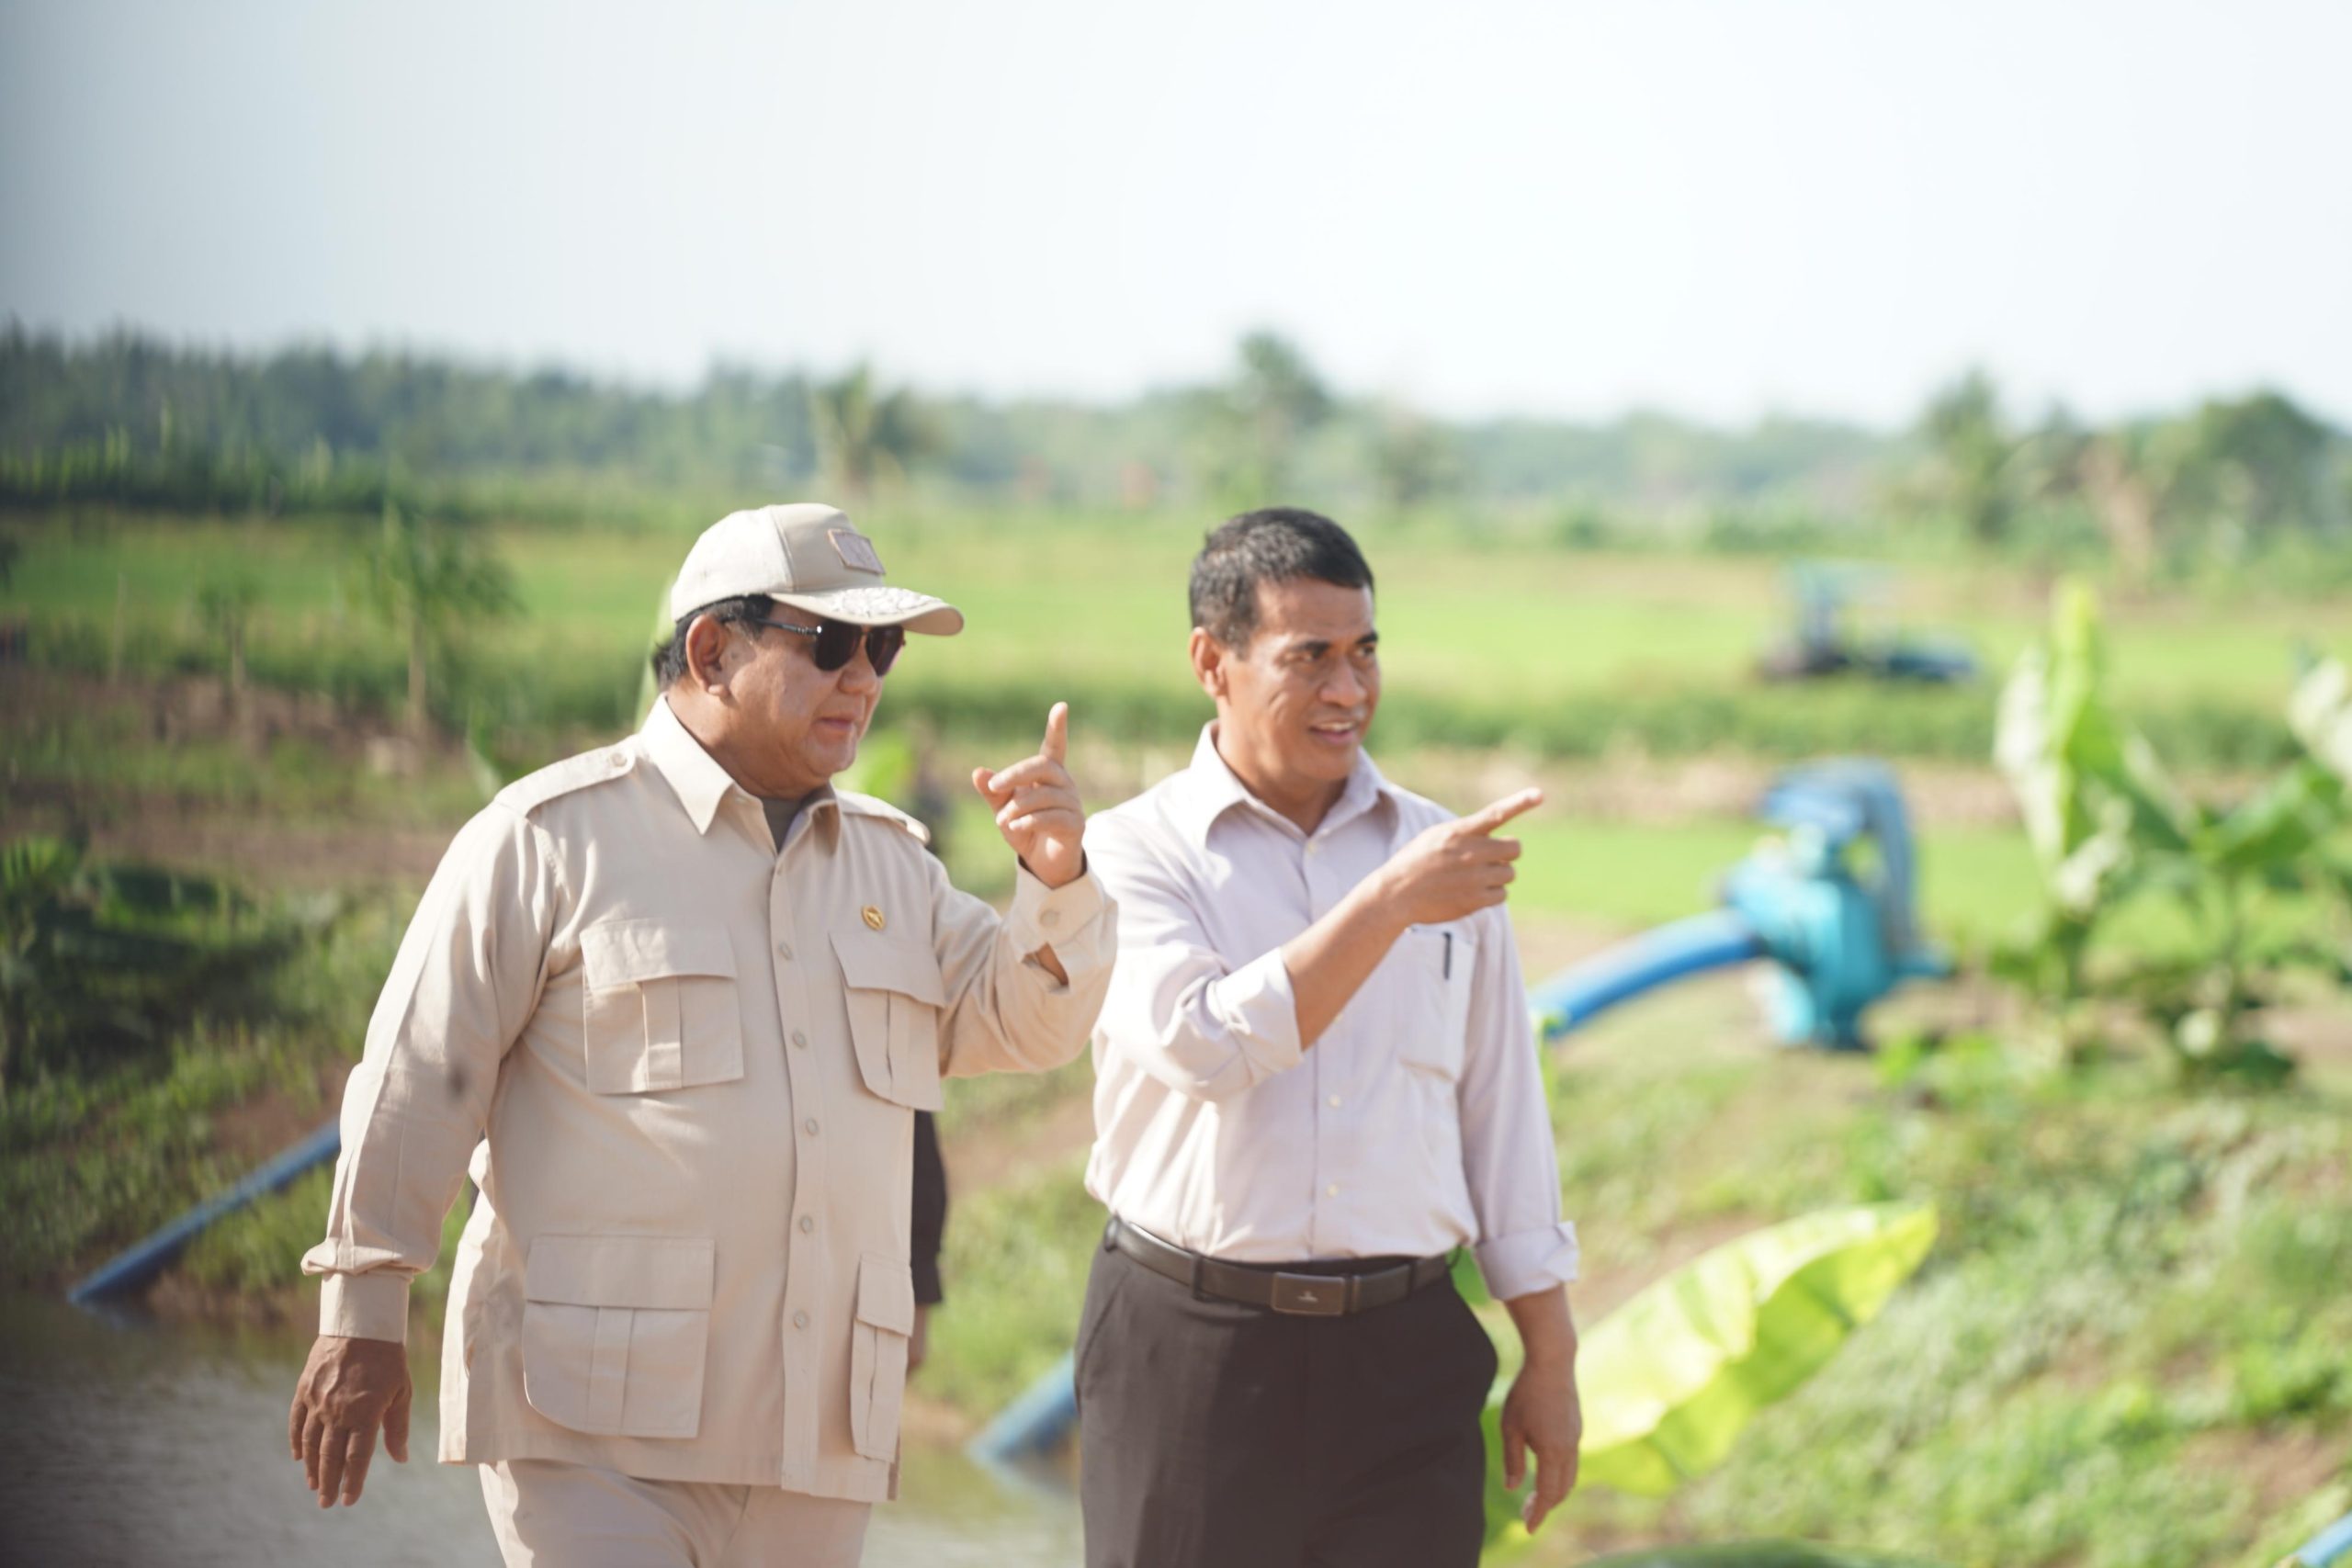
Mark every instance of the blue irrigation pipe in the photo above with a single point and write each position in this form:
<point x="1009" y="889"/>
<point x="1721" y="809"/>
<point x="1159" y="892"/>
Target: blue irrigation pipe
<point x="2331" y="1546"/>
<point x="1671" y="953"/>
<point x="1034" y="1421"/>
<point x="134" y="1267"/>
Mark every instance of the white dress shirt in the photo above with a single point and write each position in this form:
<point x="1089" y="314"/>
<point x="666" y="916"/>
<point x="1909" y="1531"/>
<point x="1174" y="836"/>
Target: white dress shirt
<point x="1417" y="1123"/>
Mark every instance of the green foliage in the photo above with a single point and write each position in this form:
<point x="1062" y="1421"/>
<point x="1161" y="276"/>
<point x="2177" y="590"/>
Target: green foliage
<point x="128" y="421"/>
<point x="2080" y="1374"/>
<point x="234" y="1001"/>
<point x="1016" y="1268"/>
<point x="1250" y="430"/>
<point x="430" y="581"/>
<point x="2108" y="827"/>
<point x="867" y="435"/>
<point x="99" y="963"/>
<point x="257" y="1251"/>
<point x="1551" y="653"/>
<point x="1975" y="456"/>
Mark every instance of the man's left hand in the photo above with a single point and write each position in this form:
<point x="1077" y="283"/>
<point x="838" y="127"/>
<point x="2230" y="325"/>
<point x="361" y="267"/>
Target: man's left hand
<point x="1037" y="809"/>
<point x="1542" y="1415"/>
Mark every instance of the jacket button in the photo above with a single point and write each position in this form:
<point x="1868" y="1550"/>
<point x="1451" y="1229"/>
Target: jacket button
<point x="1050" y="918"/>
<point x="799" y="1039"/>
<point x="808" y="1223"/>
<point x="809" y="1127"/>
<point x="799" y="1320"/>
<point x="784" y="951"/>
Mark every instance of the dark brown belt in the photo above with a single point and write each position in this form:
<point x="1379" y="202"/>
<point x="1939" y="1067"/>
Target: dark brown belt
<point x="1275" y="1289"/>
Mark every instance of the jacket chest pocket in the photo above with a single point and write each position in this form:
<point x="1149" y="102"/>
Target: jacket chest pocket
<point x="894" y="995"/>
<point x="1428" y="974"/>
<point x="877" y="1354"/>
<point x="661" y="1007"/>
<point x="615" y="1333"/>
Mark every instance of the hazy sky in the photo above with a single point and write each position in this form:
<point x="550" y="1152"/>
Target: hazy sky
<point x="1720" y="208"/>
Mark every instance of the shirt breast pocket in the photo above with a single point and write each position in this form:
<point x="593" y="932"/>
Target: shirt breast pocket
<point x="661" y="1008"/>
<point x="1430" y="997"/>
<point x="894" y="993"/>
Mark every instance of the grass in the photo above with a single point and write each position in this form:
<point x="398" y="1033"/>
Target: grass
<point x="1975" y="885"/>
<point x="1016" y="1267"/>
<point x="1571" y="653"/>
<point x="91" y="1159"/>
<point x="2126" y="1350"/>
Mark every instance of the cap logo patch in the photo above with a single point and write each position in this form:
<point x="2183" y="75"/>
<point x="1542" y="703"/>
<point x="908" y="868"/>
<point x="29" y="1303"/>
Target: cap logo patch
<point x="856" y="551"/>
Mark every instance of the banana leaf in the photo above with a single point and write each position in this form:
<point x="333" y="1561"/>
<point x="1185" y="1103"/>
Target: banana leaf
<point x="1670" y="1378"/>
<point x="2280" y="823"/>
<point x="2319" y="713"/>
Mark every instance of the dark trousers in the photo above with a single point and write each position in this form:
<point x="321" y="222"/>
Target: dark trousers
<point x="1218" y="1435"/>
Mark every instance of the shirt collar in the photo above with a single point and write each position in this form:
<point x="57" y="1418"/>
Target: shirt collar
<point x="703" y="786"/>
<point x="1211" y="788"/>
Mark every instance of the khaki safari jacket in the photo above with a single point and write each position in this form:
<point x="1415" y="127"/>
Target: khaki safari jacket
<point x="683" y="1068"/>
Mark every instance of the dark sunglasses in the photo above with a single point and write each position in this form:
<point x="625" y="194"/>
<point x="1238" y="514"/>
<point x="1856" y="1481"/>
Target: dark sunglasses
<point x="837" y="643"/>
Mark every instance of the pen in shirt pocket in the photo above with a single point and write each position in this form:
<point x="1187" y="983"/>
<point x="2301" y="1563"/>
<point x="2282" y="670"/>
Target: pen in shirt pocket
<point x="1447" y="972"/>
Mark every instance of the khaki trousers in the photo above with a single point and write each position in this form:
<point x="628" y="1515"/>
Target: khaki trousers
<point x="549" y="1515"/>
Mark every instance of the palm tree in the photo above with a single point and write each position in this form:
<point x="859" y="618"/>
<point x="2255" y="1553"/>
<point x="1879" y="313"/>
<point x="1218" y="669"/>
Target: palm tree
<point x="1251" y="426"/>
<point x="867" y="435"/>
<point x="425" y="579"/>
<point x="1972" y="449"/>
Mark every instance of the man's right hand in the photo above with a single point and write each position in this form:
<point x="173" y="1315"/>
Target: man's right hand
<point x="348" y="1388"/>
<point x="1456" y="868"/>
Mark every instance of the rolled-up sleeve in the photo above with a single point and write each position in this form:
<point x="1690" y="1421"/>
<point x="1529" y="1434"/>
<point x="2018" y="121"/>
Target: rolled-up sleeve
<point x="1205" y="1029"/>
<point x="1507" y="1157"/>
<point x="467" y="977"/>
<point x="1006" y="1013"/>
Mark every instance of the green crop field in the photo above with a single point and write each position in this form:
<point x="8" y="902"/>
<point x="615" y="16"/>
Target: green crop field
<point x="1509" y="627"/>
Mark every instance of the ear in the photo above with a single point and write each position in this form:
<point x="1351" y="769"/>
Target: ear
<point x="1208" y="664"/>
<point x="707" y="642"/>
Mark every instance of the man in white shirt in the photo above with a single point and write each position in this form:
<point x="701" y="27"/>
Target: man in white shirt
<point x="1316" y="1078"/>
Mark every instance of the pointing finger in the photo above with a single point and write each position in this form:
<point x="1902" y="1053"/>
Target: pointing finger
<point x="1489" y="817"/>
<point x="1056" y="747"/>
<point x="1029" y="770"/>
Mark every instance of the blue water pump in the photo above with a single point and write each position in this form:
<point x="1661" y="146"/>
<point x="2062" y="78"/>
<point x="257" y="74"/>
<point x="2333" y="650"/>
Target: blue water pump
<point x="1828" y="905"/>
<point x="1831" y="903"/>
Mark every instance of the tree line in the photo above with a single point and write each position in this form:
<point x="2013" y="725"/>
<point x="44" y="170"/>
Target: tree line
<point x="131" y="419"/>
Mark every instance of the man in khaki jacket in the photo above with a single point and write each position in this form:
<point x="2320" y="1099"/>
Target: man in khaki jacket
<point x="675" y="1003"/>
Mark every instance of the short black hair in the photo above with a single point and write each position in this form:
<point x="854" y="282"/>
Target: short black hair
<point x="670" y="655"/>
<point x="1274" y="544"/>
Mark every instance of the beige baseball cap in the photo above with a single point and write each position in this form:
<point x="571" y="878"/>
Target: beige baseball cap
<point x="809" y="556"/>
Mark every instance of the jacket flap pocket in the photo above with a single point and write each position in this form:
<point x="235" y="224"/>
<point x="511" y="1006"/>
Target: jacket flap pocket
<point x="657" y="1272"/>
<point x="871" y="962"/>
<point x="625" y="953"/>
<point x="886" y="1293"/>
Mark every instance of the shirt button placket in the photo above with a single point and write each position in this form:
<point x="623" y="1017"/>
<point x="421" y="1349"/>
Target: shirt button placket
<point x="802" y="1271"/>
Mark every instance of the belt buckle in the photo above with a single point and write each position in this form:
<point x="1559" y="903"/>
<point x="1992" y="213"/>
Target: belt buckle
<point x="1309" y="1296"/>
